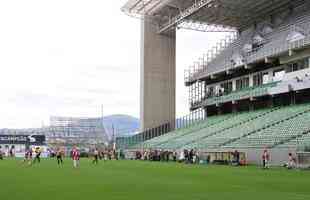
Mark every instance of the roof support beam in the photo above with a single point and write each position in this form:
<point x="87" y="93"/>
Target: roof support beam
<point x="145" y="5"/>
<point x="184" y="14"/>
<point x="204" y="27"/>
<point x="132" y="7"/>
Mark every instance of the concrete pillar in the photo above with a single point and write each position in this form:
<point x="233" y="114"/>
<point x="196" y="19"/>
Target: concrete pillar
<point x="251" y="106"/>
<point x="270" y="76"/>
<point x="205" y="113"/>
<point x="157" y="95"/>
<point x="234" y="108"/>
<point x="292" y="97"/>
<point x="251" y="81"/>
<point x="270" y="102"/>
<point x="234" y="85"/>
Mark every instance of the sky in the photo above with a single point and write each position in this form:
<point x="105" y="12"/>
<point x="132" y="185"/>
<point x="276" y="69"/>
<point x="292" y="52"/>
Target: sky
<point x="69" y="57"/>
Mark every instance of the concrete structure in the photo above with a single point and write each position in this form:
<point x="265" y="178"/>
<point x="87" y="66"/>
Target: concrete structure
<point x="157" y="103"/>
<point x="158" y="48"/>
<point x="264" y="64"/>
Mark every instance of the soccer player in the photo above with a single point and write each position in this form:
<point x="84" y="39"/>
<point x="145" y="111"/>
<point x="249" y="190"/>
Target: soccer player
<point x="236" y="158"/>
<point x="12" y="151"/>
<point x="28" y="157"/>
<point x="265" y="158"/>
<point x="182" y="156"/>
<point x="174" y="156"/>
<point x="96" y="156"/>
<point x="38" y="154"/>
<point x="59" y="156"/>
<point x="291" y="161"/>
<point x="75" y="157"/>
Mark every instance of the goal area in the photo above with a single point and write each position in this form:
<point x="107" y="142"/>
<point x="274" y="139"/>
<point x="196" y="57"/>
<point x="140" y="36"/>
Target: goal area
<point x="303" y="156"/>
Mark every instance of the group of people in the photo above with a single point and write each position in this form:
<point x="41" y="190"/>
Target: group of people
<point x="59" y="154"/>
<point x="185" y="156"/>
<point x="33" y="156"/>
<point x="95" y="154"/>
<point x="29" y="156"/>
<point x="10" y="152"/>
<point x="291" y="162"/>
<point x="154" y="155"/>
<point x="192" y="156"/>
<point x="75" y="156"/>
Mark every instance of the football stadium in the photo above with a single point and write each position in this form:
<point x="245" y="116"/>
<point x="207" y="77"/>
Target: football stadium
<point x="246" y="135"/>
<point x="249" y="93"/>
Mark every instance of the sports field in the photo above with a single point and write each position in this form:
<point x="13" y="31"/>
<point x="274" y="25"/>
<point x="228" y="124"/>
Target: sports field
<point x="137" y="180"/>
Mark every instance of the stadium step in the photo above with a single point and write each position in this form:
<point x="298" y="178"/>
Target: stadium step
<point x="156" y="141"/>
<point x="293" y="139"/>
<point x="268" y="127"/>
<point x="280" y="129"/>
<point x="255" y="131"/>
<point x="238" y="123"/>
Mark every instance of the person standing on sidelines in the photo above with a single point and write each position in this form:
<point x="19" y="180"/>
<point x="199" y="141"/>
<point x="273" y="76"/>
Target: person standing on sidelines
<point x="265" y="158"/>
<point x="37" y="158"/>
<point x="75" y="157"/>
<point x="59" y="155"/>
<point x="96" y="156"/>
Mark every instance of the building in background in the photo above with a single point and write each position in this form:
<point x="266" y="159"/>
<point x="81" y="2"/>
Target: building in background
<point x="77" y="131"/>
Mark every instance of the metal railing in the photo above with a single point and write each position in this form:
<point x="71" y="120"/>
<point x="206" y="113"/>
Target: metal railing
<point x="270" y="50"/>
<point x="201" y="66"/>
<point x="186" y="121"/>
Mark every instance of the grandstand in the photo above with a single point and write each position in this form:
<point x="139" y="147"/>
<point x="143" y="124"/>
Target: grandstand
<point x="252" y="87"/>
<point x="261" y="128"/>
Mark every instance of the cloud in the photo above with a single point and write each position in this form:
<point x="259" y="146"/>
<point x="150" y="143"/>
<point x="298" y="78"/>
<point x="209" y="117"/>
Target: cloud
<point x="69" y="57"/>
<point x="32" y="100"/>
<point x="115" y="68"/>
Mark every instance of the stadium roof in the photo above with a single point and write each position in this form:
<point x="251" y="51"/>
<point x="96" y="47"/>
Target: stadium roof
<point x="237" y="14"/>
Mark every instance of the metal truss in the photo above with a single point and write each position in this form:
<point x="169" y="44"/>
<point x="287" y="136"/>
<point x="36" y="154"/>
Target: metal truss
<point x="204" y="27"/>
<point x="175" y="21"/>
<point x="171" y="14"/>
<point x="141" y="7"/>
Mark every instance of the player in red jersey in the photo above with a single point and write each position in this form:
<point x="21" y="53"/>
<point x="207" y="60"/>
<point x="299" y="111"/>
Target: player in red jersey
<point x="75" y="157"/>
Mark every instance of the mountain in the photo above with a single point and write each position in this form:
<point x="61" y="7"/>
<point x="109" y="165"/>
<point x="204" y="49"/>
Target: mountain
<point x="122" y="124"/>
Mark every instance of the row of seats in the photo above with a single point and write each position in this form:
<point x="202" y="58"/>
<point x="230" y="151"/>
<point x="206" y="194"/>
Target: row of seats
<point x="212" y="121"/>
<point x="212" y="130"/>
<point x="299" y="141"/>
<point x="244" y="93"/>
<point x="276" y="134"/>
<point x="256" y="129"/>
<point x="210" y="126"/>
<point x="300" y="18"/>
<point x="237" y="132"/>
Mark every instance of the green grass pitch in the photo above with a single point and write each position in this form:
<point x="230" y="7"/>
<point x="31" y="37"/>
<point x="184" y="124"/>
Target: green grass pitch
<point x="137" y="180"/>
